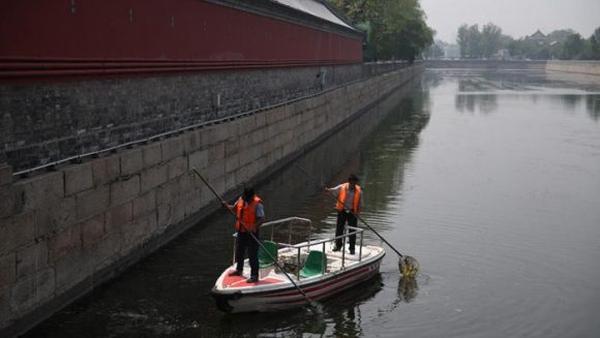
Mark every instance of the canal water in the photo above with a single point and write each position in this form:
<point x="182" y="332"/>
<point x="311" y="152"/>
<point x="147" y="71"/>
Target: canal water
<point x="490" y="179"/>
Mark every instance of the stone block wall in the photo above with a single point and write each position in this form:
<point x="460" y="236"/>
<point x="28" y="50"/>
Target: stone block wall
<point x="43" y="122"/>
<point x="65" y="231"/>
<point x="581" y="67"/>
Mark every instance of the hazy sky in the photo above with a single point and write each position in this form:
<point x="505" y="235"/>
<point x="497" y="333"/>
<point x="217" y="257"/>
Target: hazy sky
<point x="516" y="17"/>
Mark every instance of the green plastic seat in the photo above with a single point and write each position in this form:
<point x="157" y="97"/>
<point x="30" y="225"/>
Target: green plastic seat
<point x="264" y="260"/>
<point x="315" y="264"/>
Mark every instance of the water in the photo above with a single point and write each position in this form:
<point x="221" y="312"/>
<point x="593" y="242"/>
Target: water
<point x="490" y="179"/>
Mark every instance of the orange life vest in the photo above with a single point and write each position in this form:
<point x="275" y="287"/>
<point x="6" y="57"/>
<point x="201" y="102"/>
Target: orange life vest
<point x="341" y="200"/>
<point x="246" y="213"/>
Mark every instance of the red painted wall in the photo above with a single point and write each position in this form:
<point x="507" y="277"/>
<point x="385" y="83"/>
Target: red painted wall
<point x="45" y="37"/>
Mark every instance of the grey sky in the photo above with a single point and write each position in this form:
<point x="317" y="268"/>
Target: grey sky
<point x="516" y="17"/>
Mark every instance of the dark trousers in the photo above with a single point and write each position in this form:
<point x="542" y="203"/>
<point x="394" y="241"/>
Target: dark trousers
<point x="245" y="241"/>
<point x="342" y="218"/>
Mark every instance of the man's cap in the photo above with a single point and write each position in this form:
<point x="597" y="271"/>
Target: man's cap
<point x="353" y="178"/>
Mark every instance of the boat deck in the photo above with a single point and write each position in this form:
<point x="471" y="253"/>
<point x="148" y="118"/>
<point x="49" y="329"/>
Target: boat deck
<point x="337" y="262"/>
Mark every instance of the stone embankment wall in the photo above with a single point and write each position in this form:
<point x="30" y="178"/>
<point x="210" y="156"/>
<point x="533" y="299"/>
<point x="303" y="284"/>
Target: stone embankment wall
<point x="43" y="122"/>
<point x="582" y="67"/>
<point x="67" y="230"/>
<point x="485" y="64"/>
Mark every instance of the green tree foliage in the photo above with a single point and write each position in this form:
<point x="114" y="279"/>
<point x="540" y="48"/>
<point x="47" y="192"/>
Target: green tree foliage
<point x="491" y="37"/>
<point x="560" y="44"/>
<point x="436" y="50"/>
<point x="560" y="35"/>
<point x="474" y="43"/>
<point x="462" y="40"/>
<point x="395" y="29"/>
<point x="530" y="49"/>
<point x="573" y="47"/>
<point x="592" y="49"/>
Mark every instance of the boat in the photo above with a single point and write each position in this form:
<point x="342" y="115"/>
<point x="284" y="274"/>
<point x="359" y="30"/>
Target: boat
<point x="312" y="265"/>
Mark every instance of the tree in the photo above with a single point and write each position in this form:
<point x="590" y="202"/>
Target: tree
<point x="474" y="42"/>
<point x="490" y="40"/>
<point x="560" y="35"/>
<point x="397" y="28"/>
<point x="506" y="41"/>
<point x="594" y="45"/>
<point x="436" y="50"/>
<point x="463" y="40"/>
<point x="573" y="47"/>
<point x="562" y="43"/>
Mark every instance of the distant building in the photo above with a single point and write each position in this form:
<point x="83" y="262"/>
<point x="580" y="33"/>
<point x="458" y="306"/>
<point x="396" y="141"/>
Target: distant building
<point x="537" y="37"/>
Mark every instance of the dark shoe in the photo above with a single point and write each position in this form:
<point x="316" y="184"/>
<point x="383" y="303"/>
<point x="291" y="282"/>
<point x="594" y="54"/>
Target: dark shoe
<point x="351" y="252"/>
<point x="337" y="248"/>
<point x="235" y="273"/>
<point x="253" y="279"/>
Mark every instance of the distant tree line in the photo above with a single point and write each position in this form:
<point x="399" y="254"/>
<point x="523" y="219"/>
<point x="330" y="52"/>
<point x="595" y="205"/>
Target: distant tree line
<point x="394" y="29"/>
<point x="484" y="43"/>
<point x="437" y="50"/>
<point x="489" y="42"/>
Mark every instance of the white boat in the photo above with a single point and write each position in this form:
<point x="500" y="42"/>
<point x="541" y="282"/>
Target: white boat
<point x="312" y="265"/>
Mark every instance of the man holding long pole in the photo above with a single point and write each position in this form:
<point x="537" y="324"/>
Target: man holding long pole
<point x="250" y="214"/>
<point x="348" y="197"/>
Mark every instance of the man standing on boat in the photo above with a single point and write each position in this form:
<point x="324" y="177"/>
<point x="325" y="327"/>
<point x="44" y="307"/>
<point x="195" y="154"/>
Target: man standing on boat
<point x="250" y="215"/>
<point x="348" y="206"/>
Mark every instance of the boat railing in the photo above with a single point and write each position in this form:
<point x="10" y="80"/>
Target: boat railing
<point x="291" y="221"/>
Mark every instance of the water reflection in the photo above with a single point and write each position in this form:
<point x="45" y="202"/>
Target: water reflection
<point x="390" y="149"/>
<point x="481" y="93"/>
<point x="408" y="289"/>
<point x="580" y="101"/>
<point x="344" y="310"/>
<point x="570" y="102"/>
<point x="432" y="80"/>
<point x="484" y="103"/>
<point x="592" y="104"/>
<point x="289" y="323"/>
<point x="475" y="85"/>
<point x="387" y="135"/>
